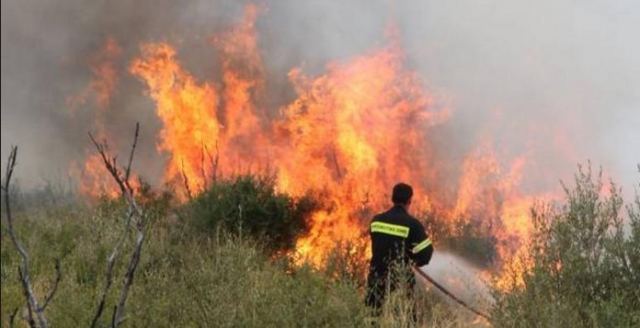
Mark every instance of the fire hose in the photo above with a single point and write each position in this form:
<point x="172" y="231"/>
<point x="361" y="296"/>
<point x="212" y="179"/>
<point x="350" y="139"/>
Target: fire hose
<point x="448" y="293"/>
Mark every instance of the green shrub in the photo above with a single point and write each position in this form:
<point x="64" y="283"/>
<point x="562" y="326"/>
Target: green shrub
<point x="586" y="268"/>
<point x="183" y="280"/>
<point x="250" y="205"/>
<point x="191" y="279"/>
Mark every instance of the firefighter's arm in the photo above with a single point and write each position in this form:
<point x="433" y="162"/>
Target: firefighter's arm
<point x="421" y="248"/>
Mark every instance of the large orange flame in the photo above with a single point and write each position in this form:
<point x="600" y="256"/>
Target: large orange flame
<point x="354" y="131"/>
<point x="188" y="113"/>
<point x="349" y="135"/>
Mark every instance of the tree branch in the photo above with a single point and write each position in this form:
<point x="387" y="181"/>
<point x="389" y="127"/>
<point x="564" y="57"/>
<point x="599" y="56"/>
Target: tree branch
<point x="110" y="162"/>
<point x="334" y="158"/>
<point x="203" y="173"/>
<point x="12" y="317"/>
<point x="134" y="214"/>
<point x="32" y="301"/>
<point x="55" y="285"/>
<point x="128" y="280"/>
<point x="109" y="272"/>
<point x="133" y="149"/>
<point x="185" y="179"/>
<point x="30" y="321"/>
<point x="214" y="162"/>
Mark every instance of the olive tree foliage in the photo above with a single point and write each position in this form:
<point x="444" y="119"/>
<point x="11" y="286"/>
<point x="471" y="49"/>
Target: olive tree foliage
<point x="251" y="205"/>
<point x="586" y="262"/>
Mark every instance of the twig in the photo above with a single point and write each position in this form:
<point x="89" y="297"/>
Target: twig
<point x="128" y="280"/>
<point x="185" y="179"/>
<point x="55" y="285"/>
<point x="111" y="163"/>
<point x="12" y="317"/>
<point x="214" y="163"/>
<point x="334" y="157"/>
<point x="24" y="266"/>
<point x="133" y="149"/>
<point x="134" y="213"/>
<point x="109" y="272"/>
<point x="203" y="173"/>
<point x="30" y="321"/>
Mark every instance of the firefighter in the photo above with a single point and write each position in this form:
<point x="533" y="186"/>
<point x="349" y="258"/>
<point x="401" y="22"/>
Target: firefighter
<point x="397" y="238"/>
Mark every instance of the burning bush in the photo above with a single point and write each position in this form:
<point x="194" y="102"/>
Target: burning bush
<point x="251" y="205"/>
<point x="586" y="263"/>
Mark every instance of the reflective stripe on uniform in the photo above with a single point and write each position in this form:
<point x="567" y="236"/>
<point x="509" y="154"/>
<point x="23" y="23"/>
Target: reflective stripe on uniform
<point x="424" y="244"/>
<point x="390" y="229"/>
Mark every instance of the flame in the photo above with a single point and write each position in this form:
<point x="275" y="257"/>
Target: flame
<point x="187" y="110"/>
<point x="199" y="120"/>
<point x="95" y="181"/>
<point x="242" y="79"/>
<point x="349" y="135"/>
<point x="490" y="198"/>
<point x="354" y="131"/>
<point x="91" y="175"/>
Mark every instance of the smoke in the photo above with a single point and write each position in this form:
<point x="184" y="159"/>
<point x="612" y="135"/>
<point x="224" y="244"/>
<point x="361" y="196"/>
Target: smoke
<point x="555" y="81"/>
<point x="458" y="277"/>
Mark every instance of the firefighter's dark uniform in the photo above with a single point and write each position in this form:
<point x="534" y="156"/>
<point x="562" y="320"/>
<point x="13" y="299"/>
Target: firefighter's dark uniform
<point x="396" y="237"/>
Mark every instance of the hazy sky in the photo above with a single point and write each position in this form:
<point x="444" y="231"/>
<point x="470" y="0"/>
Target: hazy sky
<point x="557" y="80"/>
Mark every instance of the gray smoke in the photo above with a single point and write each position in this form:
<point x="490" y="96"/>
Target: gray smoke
<point x="557" y="80"/>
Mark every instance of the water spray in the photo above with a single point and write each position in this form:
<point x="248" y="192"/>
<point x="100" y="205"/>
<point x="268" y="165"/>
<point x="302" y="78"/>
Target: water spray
<point x="448" y="293"/>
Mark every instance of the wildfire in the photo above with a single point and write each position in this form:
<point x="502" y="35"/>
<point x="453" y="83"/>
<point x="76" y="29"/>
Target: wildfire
<point x="350" y="134"/>
<point x="187" y="110"/>
<point x="354" y="131"/>
<point x="91" y="174"/>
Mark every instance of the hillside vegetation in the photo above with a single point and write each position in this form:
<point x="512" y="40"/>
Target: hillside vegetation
<point x="218" y="261"/>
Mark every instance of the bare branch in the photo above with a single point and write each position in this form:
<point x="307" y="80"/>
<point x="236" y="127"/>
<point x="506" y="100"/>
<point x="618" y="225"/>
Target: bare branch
<point x="30" y="321"/>
<point x="334" y="158"/>
<point x="133" y="149"/>
<point x="203" y="173"/>
<point x="24" y="266"/>
<point x="12" y="317"/>
<point x="109" y="272"/>
<point x="109" y="162"/>
<point x="128" y="280"/>
<point x="55" y="286"/>
<point x="113" y="317"/>
<point x="185" y="179"/>
<point x="134" y="214"/>
<point x="11" y="163"/>
<point x="214" y="162"/>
